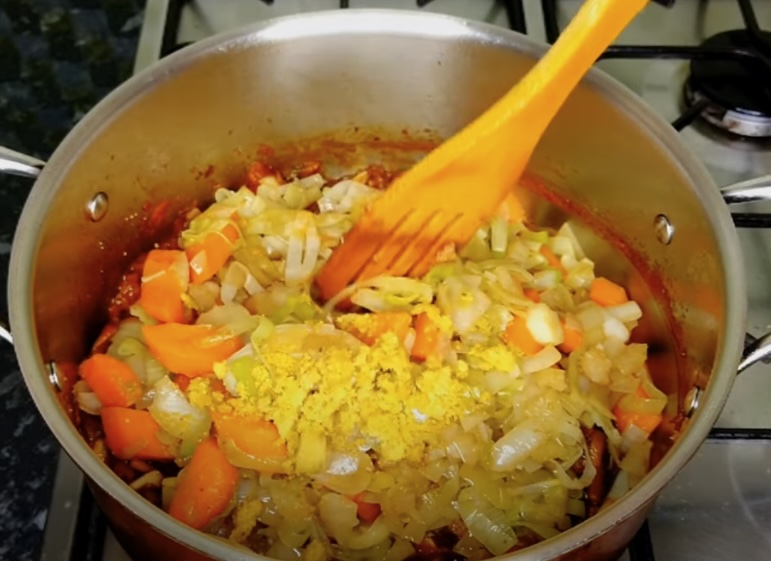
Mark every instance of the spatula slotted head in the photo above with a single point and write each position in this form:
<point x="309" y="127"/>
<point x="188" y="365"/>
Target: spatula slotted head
<point x="402" y="233"/>
<point x="450" y="193"/>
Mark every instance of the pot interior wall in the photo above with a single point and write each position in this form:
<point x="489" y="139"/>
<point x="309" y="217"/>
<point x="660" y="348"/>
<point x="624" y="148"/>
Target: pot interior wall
<point x="168" y="138"/>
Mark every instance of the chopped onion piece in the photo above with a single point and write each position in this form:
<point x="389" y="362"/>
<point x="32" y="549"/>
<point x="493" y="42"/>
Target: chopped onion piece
<point x="149" y="479"/>
<point x="87" y="400"/>
<point x="499" y="234"/>
<point x="614" y="329"/>
<point x="516" y="445"/>
<point x="547" y="279"/>
<point x="485" y="522"/>
<point x="546" y="357"/>
<point x="544" y="325"/>
<point x="626" y="312"/>
<point x="177" y="416"/>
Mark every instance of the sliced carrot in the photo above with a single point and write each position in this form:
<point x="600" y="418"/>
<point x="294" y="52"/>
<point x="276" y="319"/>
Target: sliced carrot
<point x="165" y="278"/>
<point x="205" y="487"/>
<point x="511" y="209"/>
<point x="366" y="512"/>
<point x="216" y="248"/>
<point x="368" y="328"/>
<point x="573" y="339"/>
<point x="113" y="381"/>
<point x="607" y="293"/>
<point x="517" y="335"/>
<point x="191" y="350"/>
<point x="133" y="434"/>
<point x="532" y="294"/>
<point x="258" y="438"/>
<point x="551" y="258"/>
<point x="644" y="421"/>
<point x="430" y="340"/>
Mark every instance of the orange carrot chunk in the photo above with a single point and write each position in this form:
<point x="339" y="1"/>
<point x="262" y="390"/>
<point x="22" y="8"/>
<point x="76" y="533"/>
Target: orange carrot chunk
<point x="532" y="294"/>
<point x="551" y="258"/>
<point x="573" y="339"/>
<point x="205" y="487"/>
<point x="607" y="293"/>
<point x="191" y="350"/>
<point x="133" y="434"/>
<point x="366" y="512"/>
<point x="647" y="422"/>
<point x="165" y="278"/>
<point x="644" y="421"/>
<point x="209" y="256"/>
<point x="430" y="341"/>
<point x="113" y="381"/>
<point x="517" y="335"/>
<point x="371" y="327"/>
<point x="255" y="437"/>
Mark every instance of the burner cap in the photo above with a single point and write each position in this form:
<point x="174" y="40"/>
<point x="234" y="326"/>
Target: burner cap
<point x="736" y="94"/>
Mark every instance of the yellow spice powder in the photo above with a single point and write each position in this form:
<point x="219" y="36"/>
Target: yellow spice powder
<point x="368" y="396"/>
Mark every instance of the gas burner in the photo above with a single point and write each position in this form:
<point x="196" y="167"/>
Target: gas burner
<point x="734" y="95"/>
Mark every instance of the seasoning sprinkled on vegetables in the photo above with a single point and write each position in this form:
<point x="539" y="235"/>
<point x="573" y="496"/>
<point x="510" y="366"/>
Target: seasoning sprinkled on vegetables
<point x="480" y="409"/>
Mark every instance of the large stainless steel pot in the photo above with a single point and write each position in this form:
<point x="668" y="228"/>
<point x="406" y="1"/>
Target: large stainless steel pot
<point x="351" y="76"/>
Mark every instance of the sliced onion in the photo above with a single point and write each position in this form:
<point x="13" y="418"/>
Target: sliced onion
<point x="400" y="550"/>
<point x="386" y="293"/>
<point x="198" y="262"/>
<point x="177" y="416"/>
<point x="151" y="478"/>
<point x="295" y="533"/>
<point x="516" y="445"/>
<point x="463" y="303"/>
<point x="620" y="486"/>
<point x="87" y="400"/>
<point x="338" y="515"/>
<point x="547" y="279"/>
<point x="243" y="460"/>
<point x="347" y="473"/>
<point x="596" y="366"/>
<point x="626" y="312"/>
<point x="544" y="325"/>
<point x="234" y="318"/>
<point x="562" y="245"/>
<point x="590" y="315"/>
<point x="499" y="234"/>
<point x="485" y="522"/>
<point x="614" y="329"/>
<point x="545" y="358"/>
<point x="204" y="295"/>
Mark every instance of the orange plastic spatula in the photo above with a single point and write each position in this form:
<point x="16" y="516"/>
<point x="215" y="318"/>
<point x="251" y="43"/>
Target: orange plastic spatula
<point x="446" y="196"/>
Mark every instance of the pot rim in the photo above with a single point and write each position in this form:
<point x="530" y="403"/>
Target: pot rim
<point x="354" y="22"/>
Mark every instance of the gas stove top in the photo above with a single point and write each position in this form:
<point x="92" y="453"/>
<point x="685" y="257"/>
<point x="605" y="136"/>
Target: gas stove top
<point x="705" y="66"/>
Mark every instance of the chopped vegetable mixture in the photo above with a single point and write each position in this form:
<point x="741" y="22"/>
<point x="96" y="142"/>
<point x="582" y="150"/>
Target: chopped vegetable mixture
<point x="488" y="406"/>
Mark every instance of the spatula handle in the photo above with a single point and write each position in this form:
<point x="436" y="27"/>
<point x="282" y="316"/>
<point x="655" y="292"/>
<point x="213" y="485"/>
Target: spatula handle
<point x="541" y="93"/>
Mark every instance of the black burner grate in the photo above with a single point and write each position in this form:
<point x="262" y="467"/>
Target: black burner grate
<point x="757" y="56"/>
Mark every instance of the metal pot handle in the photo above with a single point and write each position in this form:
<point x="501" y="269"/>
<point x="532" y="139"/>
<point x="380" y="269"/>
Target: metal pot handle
<point x="752" y="190"/>
<point x="16" y="163"/>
